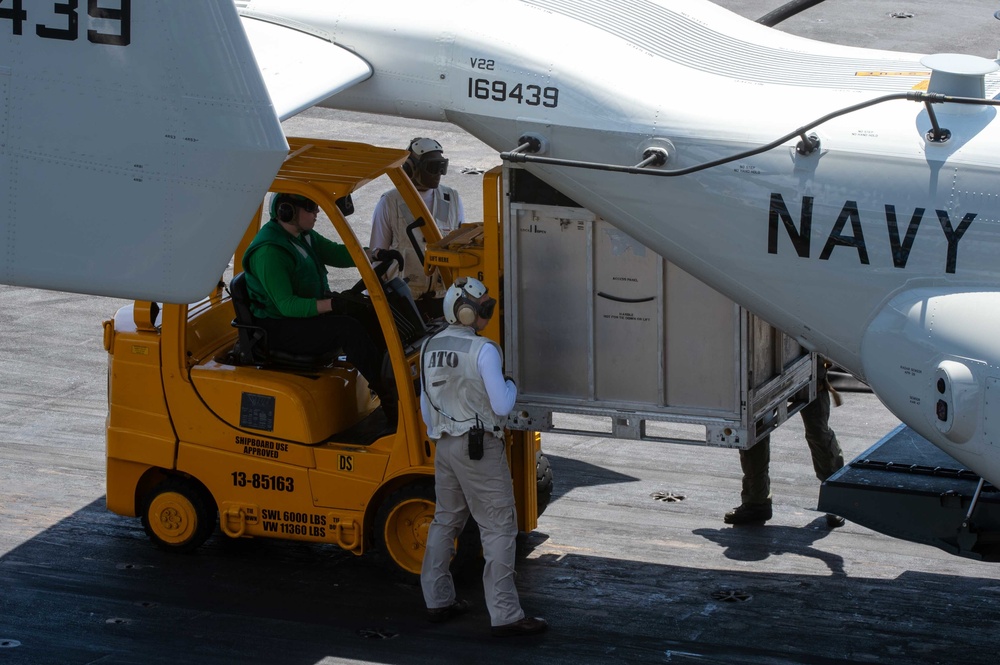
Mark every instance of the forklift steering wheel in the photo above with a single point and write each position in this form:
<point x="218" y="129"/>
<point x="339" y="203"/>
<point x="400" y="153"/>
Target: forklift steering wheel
<point x="380" y="270"/>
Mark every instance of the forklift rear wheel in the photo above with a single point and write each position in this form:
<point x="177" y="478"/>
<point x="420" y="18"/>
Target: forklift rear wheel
<point x="177" y="516"/>
<point x="401" y="527"/>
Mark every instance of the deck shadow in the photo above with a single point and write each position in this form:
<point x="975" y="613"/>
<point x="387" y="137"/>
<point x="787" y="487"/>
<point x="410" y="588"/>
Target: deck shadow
<point x="93" y="589"/>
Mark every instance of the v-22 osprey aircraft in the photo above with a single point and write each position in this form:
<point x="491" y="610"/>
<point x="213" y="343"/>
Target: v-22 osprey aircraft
<point x="848" y="196"/>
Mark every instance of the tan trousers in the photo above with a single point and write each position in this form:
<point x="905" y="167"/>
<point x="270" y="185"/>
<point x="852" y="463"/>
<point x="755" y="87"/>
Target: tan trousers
<point x="482" y="488"/>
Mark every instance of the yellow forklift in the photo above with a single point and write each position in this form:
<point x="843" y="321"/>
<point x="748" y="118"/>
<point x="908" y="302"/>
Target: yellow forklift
<point x="206" y="427"/>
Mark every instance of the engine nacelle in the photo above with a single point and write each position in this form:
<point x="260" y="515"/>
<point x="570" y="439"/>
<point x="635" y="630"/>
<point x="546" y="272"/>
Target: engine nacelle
<point x="933" y="356"/>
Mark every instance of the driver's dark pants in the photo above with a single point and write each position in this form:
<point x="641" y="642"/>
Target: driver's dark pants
<point x="326" y="333"/>
<point x="827" y="457"/>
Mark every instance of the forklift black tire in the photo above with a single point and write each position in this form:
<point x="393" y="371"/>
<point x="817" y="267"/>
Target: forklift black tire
<point x="543" y="471"/>
<point x="177" y="515"/>
<point x="401" y="526"/>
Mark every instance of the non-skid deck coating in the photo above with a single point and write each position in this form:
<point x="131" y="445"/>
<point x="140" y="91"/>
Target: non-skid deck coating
<point x="622" y="575"/>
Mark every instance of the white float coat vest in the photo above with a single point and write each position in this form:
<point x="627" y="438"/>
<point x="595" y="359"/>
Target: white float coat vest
<point x="444" y="207"/>
<point x="453" y="385"/>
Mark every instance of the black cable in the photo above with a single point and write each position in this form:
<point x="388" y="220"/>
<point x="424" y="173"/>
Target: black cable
<point x="785" y="11"/>
<point x="913" y="96"/>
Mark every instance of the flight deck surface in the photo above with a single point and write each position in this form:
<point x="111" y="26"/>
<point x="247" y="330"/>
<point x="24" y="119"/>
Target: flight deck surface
<point x="630" y="563"/>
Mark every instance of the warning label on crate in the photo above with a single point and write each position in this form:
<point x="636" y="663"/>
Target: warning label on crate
<point x="627" y="316"/>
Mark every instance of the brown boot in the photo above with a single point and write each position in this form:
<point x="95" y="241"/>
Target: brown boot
<point x="442" y="614"/>
<point x="748" y="513"/>
<point x="526" y="626"/>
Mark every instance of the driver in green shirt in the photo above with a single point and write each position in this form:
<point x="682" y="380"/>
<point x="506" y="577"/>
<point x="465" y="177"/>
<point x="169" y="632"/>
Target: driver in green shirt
<point x="285" y="268"/>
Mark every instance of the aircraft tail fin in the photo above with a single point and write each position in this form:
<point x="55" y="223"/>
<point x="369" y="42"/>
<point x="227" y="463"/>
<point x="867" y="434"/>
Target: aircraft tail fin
<point x="135" y="144"/>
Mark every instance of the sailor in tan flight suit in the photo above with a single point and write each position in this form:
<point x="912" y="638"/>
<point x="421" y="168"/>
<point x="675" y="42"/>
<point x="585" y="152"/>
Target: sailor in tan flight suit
<point x="391" y="219"/>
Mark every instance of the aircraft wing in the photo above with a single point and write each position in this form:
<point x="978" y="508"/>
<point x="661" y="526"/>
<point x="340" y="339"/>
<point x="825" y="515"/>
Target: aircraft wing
<point x="301" y="69"/>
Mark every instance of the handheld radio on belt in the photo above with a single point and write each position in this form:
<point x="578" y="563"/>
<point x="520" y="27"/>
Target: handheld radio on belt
<point x="476" y="435"/>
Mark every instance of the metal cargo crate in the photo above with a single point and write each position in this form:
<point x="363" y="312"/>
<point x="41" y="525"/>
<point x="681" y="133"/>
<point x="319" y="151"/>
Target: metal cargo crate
<point x="605" y="337"/>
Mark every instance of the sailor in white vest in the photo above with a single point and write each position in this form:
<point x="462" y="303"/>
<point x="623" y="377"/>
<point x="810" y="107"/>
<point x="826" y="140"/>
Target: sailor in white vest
<point x="464" y="402"/>
<point x="425" y="167"/>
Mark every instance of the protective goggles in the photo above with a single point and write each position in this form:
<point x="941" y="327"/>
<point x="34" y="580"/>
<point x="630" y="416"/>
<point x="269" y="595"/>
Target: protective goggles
<point x="308" y="206"/>
<point x="485" y="308"/>
<point x="434" y="165"/>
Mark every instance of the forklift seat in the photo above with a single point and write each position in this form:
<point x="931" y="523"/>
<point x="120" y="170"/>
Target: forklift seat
<point x="251" y="346"/>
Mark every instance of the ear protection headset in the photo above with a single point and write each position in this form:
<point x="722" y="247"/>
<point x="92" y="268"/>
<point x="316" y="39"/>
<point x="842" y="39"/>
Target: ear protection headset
<point x="461" y="302"/>
<point x="410" y="165"/>
<point x="284" y="211"/>
<point x="466" y="311"/>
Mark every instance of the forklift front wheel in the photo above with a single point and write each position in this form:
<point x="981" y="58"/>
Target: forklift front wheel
<point x="176" y="516"/>
<point x="543" y="469"/>
<point x="402" y="523"/>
